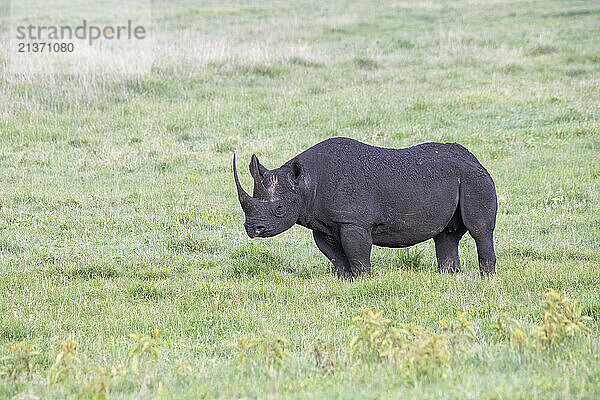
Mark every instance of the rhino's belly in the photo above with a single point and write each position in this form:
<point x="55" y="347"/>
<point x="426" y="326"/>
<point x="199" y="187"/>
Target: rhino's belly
<point x="403" y="230"/>
<point x="391" y="238"/>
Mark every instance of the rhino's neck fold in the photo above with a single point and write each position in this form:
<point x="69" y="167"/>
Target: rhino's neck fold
<point x="308" y="195"/>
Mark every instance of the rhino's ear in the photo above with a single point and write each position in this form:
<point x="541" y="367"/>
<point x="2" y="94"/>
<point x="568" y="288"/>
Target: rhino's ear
<point x="295" y="172"/>
<point x="257" y="170"/>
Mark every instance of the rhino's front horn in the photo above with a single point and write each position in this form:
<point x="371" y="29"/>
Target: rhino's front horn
<point x="248" y="203"/>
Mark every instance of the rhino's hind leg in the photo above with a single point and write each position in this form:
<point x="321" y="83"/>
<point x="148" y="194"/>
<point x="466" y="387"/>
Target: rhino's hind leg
<point x="357" y="243"/>
<point x="478" y="206"/>
<point x="446" y="249"/>
<point x="332" y="249"/>
<point x="485" y="253"/>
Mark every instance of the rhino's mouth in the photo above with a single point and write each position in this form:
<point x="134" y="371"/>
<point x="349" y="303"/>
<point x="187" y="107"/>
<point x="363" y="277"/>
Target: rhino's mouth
<point x="260" y="235"/>
<point x="264" y="234"/>
<point x="257" y="231"/>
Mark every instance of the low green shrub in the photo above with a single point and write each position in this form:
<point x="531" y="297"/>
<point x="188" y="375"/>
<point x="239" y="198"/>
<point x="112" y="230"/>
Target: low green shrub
<point x="407" y="346"/>
<point x="269" y="345"/>
<point x="561" y="321"/>
<point x="145" y="346"/>
<point x="21" y="361"/>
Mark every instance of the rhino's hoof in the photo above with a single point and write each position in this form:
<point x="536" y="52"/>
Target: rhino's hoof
<point x="487" y="269"/>
<point x="449" y="266"/>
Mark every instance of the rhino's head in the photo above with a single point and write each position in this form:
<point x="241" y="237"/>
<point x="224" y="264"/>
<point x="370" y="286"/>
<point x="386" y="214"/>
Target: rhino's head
<point x="275" y="204"/>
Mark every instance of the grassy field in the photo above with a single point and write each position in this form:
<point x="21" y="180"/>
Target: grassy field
<point x="118" y="212"/>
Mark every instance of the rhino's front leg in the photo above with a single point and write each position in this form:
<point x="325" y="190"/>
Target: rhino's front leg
<point x="332" y="249"/>
<point x="357" y="243"/>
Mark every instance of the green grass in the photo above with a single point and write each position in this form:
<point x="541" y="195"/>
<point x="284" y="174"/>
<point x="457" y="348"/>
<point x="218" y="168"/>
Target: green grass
<point x="118" y="212"/>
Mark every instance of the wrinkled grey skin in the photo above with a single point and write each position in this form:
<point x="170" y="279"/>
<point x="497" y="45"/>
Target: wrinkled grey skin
<point x="353" y="195"/>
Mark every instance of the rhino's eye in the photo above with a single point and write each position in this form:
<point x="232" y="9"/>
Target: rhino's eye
<point x="279" y="210"/>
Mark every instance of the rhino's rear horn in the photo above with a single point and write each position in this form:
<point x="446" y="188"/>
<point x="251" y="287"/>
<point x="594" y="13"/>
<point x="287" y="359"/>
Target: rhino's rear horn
<point x="248" y="203"/>
<point x="257" y="170"/>
<point x="260" y="191"/>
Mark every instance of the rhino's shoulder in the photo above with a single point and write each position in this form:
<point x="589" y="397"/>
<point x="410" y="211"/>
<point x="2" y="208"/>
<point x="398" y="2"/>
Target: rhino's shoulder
<point x="338" y="147"/>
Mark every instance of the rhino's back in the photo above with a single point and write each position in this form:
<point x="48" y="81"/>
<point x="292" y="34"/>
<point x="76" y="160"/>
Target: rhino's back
<point x="358" y="169"/>
<point x="345" y="151"/>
